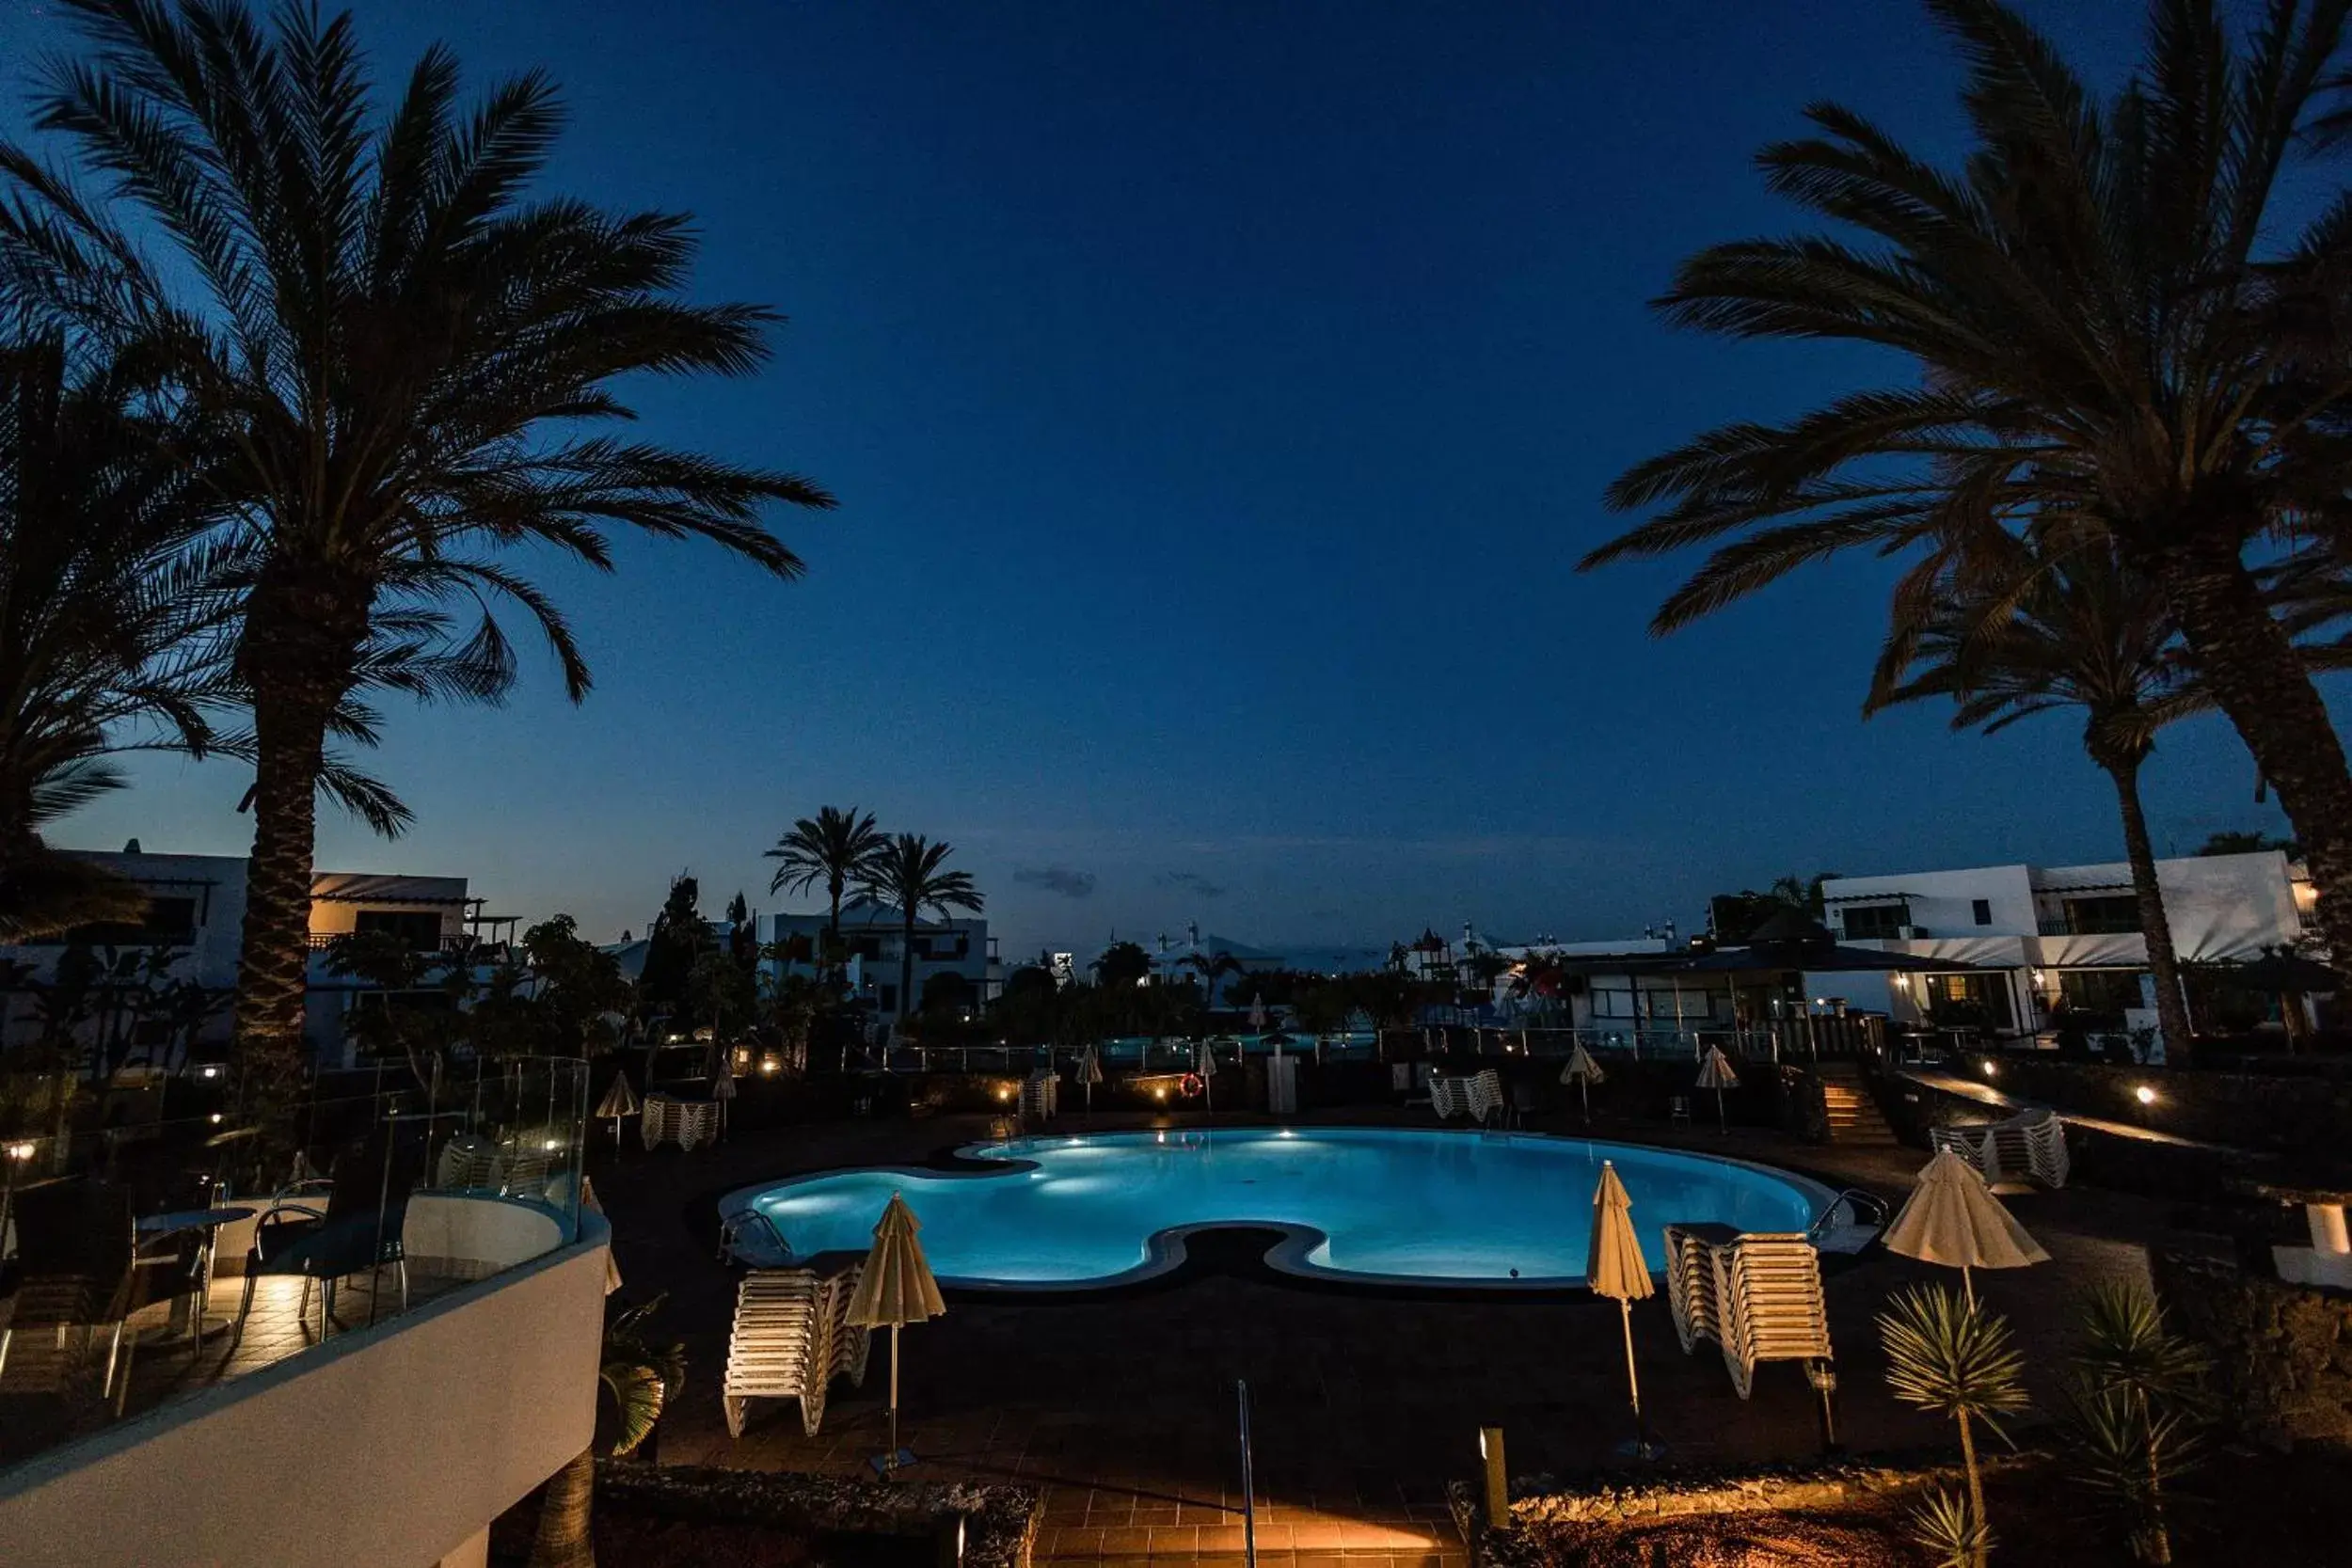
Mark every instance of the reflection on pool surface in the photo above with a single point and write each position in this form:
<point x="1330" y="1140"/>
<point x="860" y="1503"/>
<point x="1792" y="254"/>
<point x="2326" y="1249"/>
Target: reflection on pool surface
<point x="1457" y="1208"/>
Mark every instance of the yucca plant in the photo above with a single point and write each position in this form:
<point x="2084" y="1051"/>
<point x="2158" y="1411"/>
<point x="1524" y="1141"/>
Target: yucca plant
<point x="642" y="1378"/>
<point x="2133" y="1408"/>
<point x="1953" y="1535"/>
<point x="1953" y="1357"/>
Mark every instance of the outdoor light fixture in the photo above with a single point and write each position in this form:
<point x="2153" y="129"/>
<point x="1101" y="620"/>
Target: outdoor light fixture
<point x="768" y="1064"/>
<point x="23" y="1150"/>
<point x="2145" y="1095"/>
<point x="1159" y="1091"/>
<point x="551" y="1145"/>
<point x="217" y="1118"/>
<point x="212" y="1069"/>
<point x="1991" y="1068"/>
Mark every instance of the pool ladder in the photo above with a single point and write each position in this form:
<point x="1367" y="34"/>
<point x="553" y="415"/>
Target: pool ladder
<point x="1866" y="1209"/>
<point x="745" y="1219"/>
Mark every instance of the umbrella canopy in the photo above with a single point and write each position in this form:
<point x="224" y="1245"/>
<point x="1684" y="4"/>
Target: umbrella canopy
<point x="1952" y="1219"/>
<point x="1613" y="1264"/>
<point x="619" y="1101"/>
<point x="1581" y="1069"/>
<point x="1207" y="1063"/>
<point x="1089" y="1067"/>
<point x="1717" y="1073"/>
<point x="896" y="1287"/>
<point x="1257" y="1015"/>
<point x="722" y="1086"/>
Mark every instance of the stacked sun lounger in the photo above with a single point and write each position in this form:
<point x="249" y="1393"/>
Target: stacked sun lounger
<point x="2027" y="1146"/>
<point x="1041" y="1095"/>
<point x="789" y="1340"/>
<point x="684" y="1122"/>
<point x="1758" y="1296"/>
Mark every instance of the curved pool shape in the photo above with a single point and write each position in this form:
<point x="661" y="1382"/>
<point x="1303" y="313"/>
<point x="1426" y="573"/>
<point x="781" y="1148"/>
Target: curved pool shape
<point x="1394" y="1207"/>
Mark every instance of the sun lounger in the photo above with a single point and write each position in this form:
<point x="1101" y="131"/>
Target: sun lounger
<point x="2027" y="1146"/>
<point x="1758" y="1296"/>
<point x="788" y="1341"/>
<point x="1041" y="1095"/>
<point x="684" y="1122"/>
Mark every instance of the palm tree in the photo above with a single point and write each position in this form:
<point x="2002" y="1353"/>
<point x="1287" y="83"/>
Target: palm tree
<point x="906" y="876"/>
<point x="835" y="848"/>
<point x="113" y="639"/>
<point x="92" y="620"/>
<point x="1211" y="967"/>
<point x="1952" y="1357"/>
<point x="2098" y="327"/>
<point x="404" y="351"/>
<point x="2084" y="631"/>
<point x="641" y="1378"/>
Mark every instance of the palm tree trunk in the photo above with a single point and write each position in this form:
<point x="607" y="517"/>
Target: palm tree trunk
<point x="906" y="968"/>
<point x="1975" y="1481"/>
<point x="273" y="968"/>
<point x="564" y="1540"/>
<point x="2256" y="677"/>
<point x="302" y="636"/>
<point x="2163" y="966"/>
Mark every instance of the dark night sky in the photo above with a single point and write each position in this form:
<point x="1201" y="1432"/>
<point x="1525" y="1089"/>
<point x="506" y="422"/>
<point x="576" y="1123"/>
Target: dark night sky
<point x="1218" y="395"/>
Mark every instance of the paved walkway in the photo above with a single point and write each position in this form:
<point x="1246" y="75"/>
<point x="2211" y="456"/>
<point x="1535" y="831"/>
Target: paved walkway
<point x="1122" y="1405"/>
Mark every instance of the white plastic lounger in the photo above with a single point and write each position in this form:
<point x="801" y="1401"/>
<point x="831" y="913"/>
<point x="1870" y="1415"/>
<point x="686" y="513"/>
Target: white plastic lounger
<point x="789" y="1342"/>
<point x="2027" y="1146"/>
<point x="1757" y="1296"/>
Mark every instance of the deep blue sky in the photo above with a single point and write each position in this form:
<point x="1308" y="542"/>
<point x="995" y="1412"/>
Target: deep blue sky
<point x="1218" y="396"/>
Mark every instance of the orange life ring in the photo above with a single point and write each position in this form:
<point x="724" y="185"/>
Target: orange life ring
<point x="1191" y="1089"/>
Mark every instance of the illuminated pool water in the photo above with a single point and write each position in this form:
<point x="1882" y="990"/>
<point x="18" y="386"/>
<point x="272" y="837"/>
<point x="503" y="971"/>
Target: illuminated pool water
<point x="1372" y="1205"/>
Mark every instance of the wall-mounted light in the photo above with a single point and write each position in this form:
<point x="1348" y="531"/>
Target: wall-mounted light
<point x="210" y="1070"/>
<point x="1991" y="1067"/>
<point x="25" y="1150"/>
<point x="770" y="1066"/>
<point x="2145" y="1095"/>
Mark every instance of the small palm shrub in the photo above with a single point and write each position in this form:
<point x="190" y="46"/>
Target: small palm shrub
<point x="1953" y="1359"/>
<point x="2134" y="1410"/>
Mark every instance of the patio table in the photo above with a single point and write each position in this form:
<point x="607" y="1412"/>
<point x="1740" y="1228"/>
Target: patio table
<point x="153" y="1227"/>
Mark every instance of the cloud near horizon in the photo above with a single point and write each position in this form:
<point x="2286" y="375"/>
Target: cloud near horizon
<point x="1067" y="882"/>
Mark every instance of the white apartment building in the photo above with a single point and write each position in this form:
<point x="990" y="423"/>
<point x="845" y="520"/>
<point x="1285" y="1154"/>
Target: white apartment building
<point x="873" y="933"/>
<point x="2037" y="937"/>
<point x="195" y="909"/>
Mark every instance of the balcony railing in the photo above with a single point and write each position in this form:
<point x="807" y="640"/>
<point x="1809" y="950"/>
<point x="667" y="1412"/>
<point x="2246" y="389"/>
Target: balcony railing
<point x="224" y="1242"/>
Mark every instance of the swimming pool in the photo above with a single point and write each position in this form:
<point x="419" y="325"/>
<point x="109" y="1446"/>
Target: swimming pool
<point x="1375" y="1206"/>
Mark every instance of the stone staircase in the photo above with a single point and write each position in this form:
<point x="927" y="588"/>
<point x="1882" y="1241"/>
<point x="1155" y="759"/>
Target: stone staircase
<point x="1853" y="1115"/>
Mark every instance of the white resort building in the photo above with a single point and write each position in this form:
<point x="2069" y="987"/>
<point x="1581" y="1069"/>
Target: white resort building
<point x="2032" y="943"/>
<point x="196" y="912"/>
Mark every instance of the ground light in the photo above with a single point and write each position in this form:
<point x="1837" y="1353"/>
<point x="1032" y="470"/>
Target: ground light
<point x="1991" y="1068"/>
<point x="1498" y="1489"/>
<point x="2145" y="1095"/>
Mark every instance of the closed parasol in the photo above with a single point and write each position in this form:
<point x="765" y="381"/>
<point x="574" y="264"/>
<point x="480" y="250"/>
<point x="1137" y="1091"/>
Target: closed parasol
<point x="1614" y="1268"/>
<point x="894" y="1290"/>
<point x="1716" y="1073"/>
<point x="1952" y="1219"/>
<point x="619" y="1102"/>
<point x="1583" y="1072"/>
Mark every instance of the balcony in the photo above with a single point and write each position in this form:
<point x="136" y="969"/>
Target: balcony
<point x="401" y="1306"/>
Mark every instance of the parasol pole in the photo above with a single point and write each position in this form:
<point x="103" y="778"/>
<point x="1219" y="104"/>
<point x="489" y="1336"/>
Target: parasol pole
<point x="894" y="1396"/>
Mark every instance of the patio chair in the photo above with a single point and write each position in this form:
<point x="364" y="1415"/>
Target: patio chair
<point x="76" y="1279"/>
<point x="358" y="1229"/>
<point x="1679" y="1110"/>
<point x="788" y="1341"/>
